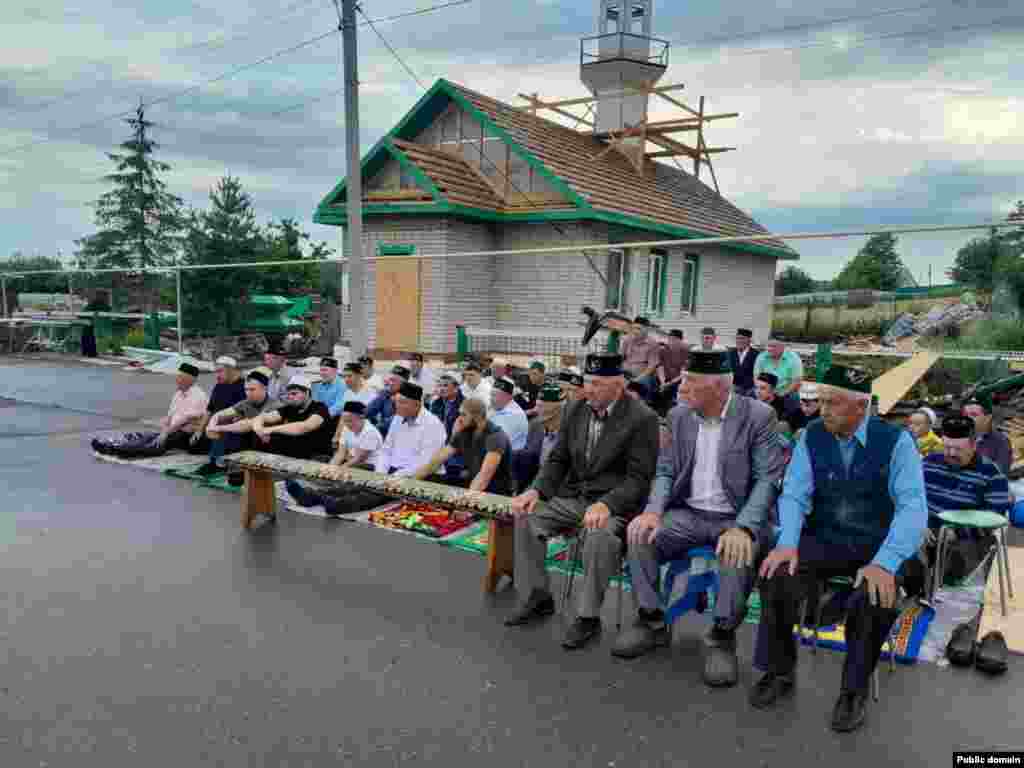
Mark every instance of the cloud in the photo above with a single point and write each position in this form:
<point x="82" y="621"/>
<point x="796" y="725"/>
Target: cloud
<point x="833" y="134"/>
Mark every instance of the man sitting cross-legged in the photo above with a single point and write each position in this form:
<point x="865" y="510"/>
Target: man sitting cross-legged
<point x="227" y="392"/>
<point x="415" y="435"/>
<point x="299" y="428"/>
<point x="596" y="478"/>
<point x="230" y="430"/>
<point x="484" y="448"/>
<point x="717" y="480"/>
<point x="852" y="505"/>
<point x="177" y="428"/>
<point x="381" y="410"/>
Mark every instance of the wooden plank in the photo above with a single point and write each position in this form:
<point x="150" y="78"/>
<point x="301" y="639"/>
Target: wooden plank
<point x="500" y="553"/>
<point x="536" y="104"/>
<point x="591" y="99"/>
<point x="892" y="385"/>
<point x="398" y="303"/>
<point x="1012" y="625"/>
<point x="257" y="496"/>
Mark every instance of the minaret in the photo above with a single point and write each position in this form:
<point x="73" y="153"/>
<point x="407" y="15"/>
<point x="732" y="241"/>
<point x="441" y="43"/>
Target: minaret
<point x="623" y="58"/>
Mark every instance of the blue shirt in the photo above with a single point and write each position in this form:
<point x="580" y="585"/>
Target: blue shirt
<point x="513" y="420"/>
<point x="906" y="487"/>
<point x="979" y="485"/>
<point x="332" y="395"/>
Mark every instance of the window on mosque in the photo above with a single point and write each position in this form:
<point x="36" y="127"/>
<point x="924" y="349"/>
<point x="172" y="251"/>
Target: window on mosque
<point x="688" y="302"/>
<point x="617" y="274"/>
<point x="657" y="278"/>
<point x="636" y="19"/>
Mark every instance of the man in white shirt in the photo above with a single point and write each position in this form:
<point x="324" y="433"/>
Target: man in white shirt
<point x="414" y="437"/>
<point x="718" y="479"/>
<point x="418" y="374"/>
<point x="507" y="414"/>
<point x="355" y="381"/>
<point x="358" y="441"/>
<point x="373" y="380"/>
<point x="274" y="359"/>
<point x="184" y="417"/>
<point x="473" y="384"/>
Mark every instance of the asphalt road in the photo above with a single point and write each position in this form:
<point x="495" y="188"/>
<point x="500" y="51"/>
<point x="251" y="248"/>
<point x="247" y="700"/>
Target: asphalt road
<point x="144" y="627"/>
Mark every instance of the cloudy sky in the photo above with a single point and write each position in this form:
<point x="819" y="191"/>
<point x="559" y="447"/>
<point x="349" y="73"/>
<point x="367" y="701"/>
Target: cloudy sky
<point x="903" y="112"/>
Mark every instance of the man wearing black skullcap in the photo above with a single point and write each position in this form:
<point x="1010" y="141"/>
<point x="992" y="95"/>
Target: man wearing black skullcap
<point x="717" y="481"/>
<point x="641" y="354"/>
<point x="230" y="430"/>
<point x="960" y="478"/>
<point x="414" y="436"/>
<point x="790" y="417"/>
<point x="593" y="483"/>
<point x="852" y="505"/>
<point x="274" y="360"/>
<point x="742" y="358"/>
<point x="571" y="384"/>
<point x="381" y="409"/>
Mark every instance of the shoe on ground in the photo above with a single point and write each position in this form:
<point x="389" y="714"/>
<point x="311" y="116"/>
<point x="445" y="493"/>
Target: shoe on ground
<point x="849" y="711"/>
<point x="581" y="632"/>
<point x="208" y="469"/>
<point x="770" y="688"/>
<point x="302" y="495"/>
<point x="647" y="632"/>
<point x="992" y="654"/>
<point x="961" y="648"/>
<point x="536" y="606"/>
<point x="721" y="667"/>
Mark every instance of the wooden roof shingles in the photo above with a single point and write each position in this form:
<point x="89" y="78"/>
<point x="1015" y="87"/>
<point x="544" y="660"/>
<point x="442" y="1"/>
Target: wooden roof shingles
<point x="457" y="179"/>
<point x="611" y="184"/>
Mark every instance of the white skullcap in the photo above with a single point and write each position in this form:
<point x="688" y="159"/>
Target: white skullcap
<point x="300" y="380"/>
<point x="226" y="361"/>
<point x="809" y="391"/>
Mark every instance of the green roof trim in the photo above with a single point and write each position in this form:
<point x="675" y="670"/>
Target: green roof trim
<point x="415" y="171"/>
<point x="395" y="249"/>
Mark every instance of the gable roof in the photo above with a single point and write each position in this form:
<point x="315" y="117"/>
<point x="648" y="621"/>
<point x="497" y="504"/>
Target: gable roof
<point x="596" y="184"/>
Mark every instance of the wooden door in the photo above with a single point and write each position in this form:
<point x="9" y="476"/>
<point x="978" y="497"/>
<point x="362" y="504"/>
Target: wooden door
<point x="398" y="304"/>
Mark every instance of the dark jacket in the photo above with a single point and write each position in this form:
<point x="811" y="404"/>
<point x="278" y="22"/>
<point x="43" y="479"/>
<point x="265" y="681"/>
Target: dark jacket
<point x="743" y="375"/>
<point x="622" y="468"/>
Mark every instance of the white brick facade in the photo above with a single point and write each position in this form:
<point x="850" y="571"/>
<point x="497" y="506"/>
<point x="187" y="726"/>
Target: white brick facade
<point x="545" y="292"/>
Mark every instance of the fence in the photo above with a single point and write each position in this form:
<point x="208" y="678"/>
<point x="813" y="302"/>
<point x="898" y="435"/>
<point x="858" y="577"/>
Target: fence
<point x="555" y="349"/>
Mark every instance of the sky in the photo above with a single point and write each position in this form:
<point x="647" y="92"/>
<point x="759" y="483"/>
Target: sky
<point x="900" y="113"/>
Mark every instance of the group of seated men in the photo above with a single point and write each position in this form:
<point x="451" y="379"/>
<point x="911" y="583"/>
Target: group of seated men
<point x="853" y="500"/>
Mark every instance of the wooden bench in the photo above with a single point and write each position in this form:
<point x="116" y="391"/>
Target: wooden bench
<point x="261" y="469"/>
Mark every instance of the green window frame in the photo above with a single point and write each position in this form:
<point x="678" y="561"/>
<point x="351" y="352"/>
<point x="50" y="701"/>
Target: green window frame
<point x="657" y="282"/>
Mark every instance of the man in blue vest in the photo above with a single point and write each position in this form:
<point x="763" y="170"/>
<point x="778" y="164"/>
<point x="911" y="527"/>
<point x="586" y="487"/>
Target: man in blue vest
<point x="852" y="504"/>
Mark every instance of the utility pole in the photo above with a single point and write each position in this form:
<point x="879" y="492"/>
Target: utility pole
<point x="354" y="192"/>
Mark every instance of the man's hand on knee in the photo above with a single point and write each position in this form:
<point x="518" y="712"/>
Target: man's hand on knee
<point x="880" y="585"/>
<point x="735" y="548"/>
<point x="525" y="503"/>
<point x="643" y="528"/>
<point x="596" y="516"/>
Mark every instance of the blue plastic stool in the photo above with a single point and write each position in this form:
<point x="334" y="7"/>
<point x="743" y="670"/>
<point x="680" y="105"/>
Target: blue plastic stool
<point x="696" y="585"/>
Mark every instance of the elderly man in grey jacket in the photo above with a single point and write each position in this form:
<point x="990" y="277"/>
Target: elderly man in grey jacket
<point x="718" y="479"/>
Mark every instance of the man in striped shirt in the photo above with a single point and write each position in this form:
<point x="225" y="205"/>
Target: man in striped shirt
<point x="960" y="478"/>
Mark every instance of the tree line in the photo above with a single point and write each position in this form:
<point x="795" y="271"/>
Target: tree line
<point x="141" y="224"/>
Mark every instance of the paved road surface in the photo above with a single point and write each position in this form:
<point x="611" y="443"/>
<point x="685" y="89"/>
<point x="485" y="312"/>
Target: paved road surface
<point x="143" y="627"/>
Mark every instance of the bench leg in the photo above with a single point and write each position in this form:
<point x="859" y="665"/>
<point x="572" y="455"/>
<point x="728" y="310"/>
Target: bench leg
<point x="257" y="496"/>
<point x="500" y="553"/>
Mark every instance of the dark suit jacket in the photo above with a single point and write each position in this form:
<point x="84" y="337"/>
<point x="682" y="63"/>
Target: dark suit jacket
<point x="749" y="459"/>
<point x="743" y="375"/>
<point x="622" y="468"/>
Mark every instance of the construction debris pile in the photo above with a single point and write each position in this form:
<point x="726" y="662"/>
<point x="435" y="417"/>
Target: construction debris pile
<point x="937" y="322"/>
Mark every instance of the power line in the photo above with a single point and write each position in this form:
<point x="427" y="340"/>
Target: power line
<point x="178" y="94"/>
<point x="803" y="27"/>
<point x="549" y="249"/>
<point x="390" y="48"/>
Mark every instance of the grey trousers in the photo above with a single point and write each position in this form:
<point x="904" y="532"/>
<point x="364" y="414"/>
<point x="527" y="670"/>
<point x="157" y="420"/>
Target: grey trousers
<point x="687" y="529"/>
<point x="601" y="551"/>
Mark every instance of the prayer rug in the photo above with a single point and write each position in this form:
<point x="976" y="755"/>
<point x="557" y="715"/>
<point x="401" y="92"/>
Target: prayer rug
<point x="475" y="538"/>
<point x="218" y="482"/>
<point x="174" y="460"/>
<point x="418" y="517"/>
<point x="912" y="627"/>
<point x="1012" y="625"/>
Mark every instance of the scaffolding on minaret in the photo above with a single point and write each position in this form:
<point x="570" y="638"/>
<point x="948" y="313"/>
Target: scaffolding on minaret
<point x="621" y="67"/>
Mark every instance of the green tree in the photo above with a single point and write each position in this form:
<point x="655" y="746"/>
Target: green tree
<point x="285" y="241"/>
<point x="794" y="280"/>
<point x="876" y="266"/>
<point x="227" y="233"/>
<point x="975" y="263"/>
<point x="19" y="262"/>
<point x="139" y="221"/>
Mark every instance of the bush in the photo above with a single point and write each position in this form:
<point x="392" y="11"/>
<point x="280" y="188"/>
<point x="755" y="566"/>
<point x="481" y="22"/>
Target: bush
<point x="136" y="337"/>
<point x="991" y="334"/>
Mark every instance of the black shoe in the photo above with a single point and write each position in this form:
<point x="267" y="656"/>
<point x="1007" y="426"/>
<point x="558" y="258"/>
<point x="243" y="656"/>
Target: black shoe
<point x="721" y="667"/>
<point x="302" y="495"/>
<point x="647" y="632"/>
<point x="236" y="479"/>
<point x="770" y="688"/>
<point x="537" y="605"/>
<point x="992" y="654"/>
<point x="581" y="632"/>
<point x="849" y="711"/>
<point x="961" y="648"/>
<point x="208" y="469"/>
<point x="331" y="506"/>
